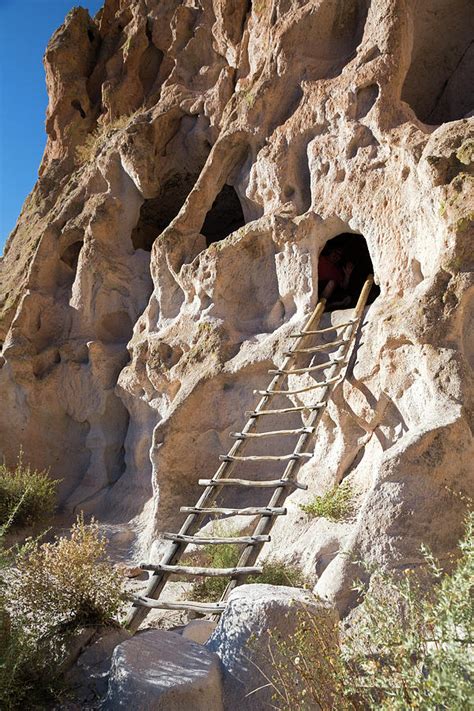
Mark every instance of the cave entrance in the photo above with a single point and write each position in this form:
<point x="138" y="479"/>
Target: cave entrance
<point x="224" y="217"/>
<point x="345" y="263"/>
<point x="157" y="213"/>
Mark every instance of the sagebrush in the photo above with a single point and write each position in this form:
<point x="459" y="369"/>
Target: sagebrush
<point x="50" y="591"/>
<point x="412" y="646"/>
<point x="69" y="582"/>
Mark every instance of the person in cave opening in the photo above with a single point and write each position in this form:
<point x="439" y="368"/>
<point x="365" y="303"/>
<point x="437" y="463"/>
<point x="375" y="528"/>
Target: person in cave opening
<point x="334" y="274"/>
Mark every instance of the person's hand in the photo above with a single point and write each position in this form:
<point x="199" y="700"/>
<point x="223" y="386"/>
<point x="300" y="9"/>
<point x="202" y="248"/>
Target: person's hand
<point x="348" y="269"/>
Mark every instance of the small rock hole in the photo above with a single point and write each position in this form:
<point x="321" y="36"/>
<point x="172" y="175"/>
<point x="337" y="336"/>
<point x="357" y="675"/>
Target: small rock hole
<point x="224" y="217"/>
<point x="157" y="213"/>
<point x="70" y="256"/>
<point x="77" y="105"/>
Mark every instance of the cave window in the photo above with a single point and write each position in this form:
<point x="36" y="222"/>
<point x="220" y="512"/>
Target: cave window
<point x="157" y="213"/>
<point x="224" y="217"/>
<point x="77" y="105"/>
<point x="70" y="256"/>
<point x="352" y="249"/>
<point x="91" y="36"/>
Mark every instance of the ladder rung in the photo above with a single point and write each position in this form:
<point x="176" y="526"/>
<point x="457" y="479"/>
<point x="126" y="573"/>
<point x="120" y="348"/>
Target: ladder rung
<point x="250" y="511"/>
<point x="273" y="433"/>
<point x="203" y="607"/>
<point x="196" y="572"/>
<point x="324" y="330"/>
<point x="283" y="410"/>
<point x="310" y="369"/>
<point x="205" y="509"/>
<point x="300" y="390"/>
<point x="203" y="541"/>
<point x="315" y="349"/>
<point x="270" y="483"/>
<point x="265" y="457"/>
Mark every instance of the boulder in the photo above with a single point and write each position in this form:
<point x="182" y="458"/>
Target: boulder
<point x="163" y="671"/>
<point x="243" y="643"/>
<point x="88" y="677"/>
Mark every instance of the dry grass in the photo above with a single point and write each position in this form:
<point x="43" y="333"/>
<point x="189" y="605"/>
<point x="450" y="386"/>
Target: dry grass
<point x="48" y="593"/>
<point x="96" y="140"/>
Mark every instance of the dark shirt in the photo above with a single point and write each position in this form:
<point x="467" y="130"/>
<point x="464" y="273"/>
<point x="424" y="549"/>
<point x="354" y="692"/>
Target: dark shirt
<point x="327" y="271"/>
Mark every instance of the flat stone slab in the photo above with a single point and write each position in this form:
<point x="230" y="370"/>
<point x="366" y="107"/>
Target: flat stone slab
<point x="163" y="671"/>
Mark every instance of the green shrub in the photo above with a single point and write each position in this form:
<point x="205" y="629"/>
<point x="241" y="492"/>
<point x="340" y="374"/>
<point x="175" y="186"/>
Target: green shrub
<point x="52" y="592"/>
<point x="27" y="496"/>
<point x="411" y="646"/>
<point x="277" y="573"/>
<point x="335" y="505"/>
<point x="227" y="556"/>
<point x="415" y="649"/>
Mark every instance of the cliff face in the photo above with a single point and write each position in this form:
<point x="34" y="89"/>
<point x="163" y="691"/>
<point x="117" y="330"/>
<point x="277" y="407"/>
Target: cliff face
<point x="199" y="156"/>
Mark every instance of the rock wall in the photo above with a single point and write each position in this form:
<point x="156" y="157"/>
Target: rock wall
<point x="199" y="156"/>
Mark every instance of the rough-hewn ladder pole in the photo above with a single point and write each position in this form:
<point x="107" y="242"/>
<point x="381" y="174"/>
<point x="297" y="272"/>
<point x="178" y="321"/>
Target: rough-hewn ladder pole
<point x="250" y="553"/>
<point x="158" y="579"/>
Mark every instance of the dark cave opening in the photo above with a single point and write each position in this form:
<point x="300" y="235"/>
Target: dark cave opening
<point x="77" y="105"/>
<point x="224" y="217"/>
<point x="157" y="213"/>
<point x="345" y="260"/>
<point x="70" y="256"/>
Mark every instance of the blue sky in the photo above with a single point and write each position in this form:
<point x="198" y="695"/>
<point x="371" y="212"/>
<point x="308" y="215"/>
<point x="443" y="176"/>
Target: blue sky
<point x="25" y="28"/>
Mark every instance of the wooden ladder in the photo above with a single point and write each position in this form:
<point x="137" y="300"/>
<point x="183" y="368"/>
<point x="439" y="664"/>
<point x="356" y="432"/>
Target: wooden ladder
<point x="287" y="482"/>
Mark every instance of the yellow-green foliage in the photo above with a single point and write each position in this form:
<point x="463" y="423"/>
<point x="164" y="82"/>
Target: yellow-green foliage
<point x="227" y="555"/>
<point x="308" y="669"/>
<point x="411" y="646"/>
<point x="215" y="556"/>
<point x="464" y="223"/>
<point x="70" y="581"/>
<point x="335" y="505"/>
<point x="97" y="139"/>
<point x="48" y="592"/>
<point x="27" y="496"/>
<point x="277" y="573"/>
<point x="465" y="154"/>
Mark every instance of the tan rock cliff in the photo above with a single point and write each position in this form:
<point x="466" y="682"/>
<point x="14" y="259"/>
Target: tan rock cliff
<point x="131" y="348"/>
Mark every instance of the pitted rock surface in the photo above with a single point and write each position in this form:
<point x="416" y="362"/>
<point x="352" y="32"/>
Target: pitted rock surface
<point x="199" y="157"/>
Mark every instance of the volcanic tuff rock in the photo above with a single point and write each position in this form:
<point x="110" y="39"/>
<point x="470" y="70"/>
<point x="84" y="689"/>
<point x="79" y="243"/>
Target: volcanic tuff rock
<point x="200" y="154"/>
<point x="162" y="671"/>
<point x="247" y="651"/>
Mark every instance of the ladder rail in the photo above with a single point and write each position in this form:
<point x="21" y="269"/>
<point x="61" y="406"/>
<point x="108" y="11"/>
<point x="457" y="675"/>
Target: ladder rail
<point x="158" y="579"/>
<point x="250" y="553"/>
<point x="265" y="517"/>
